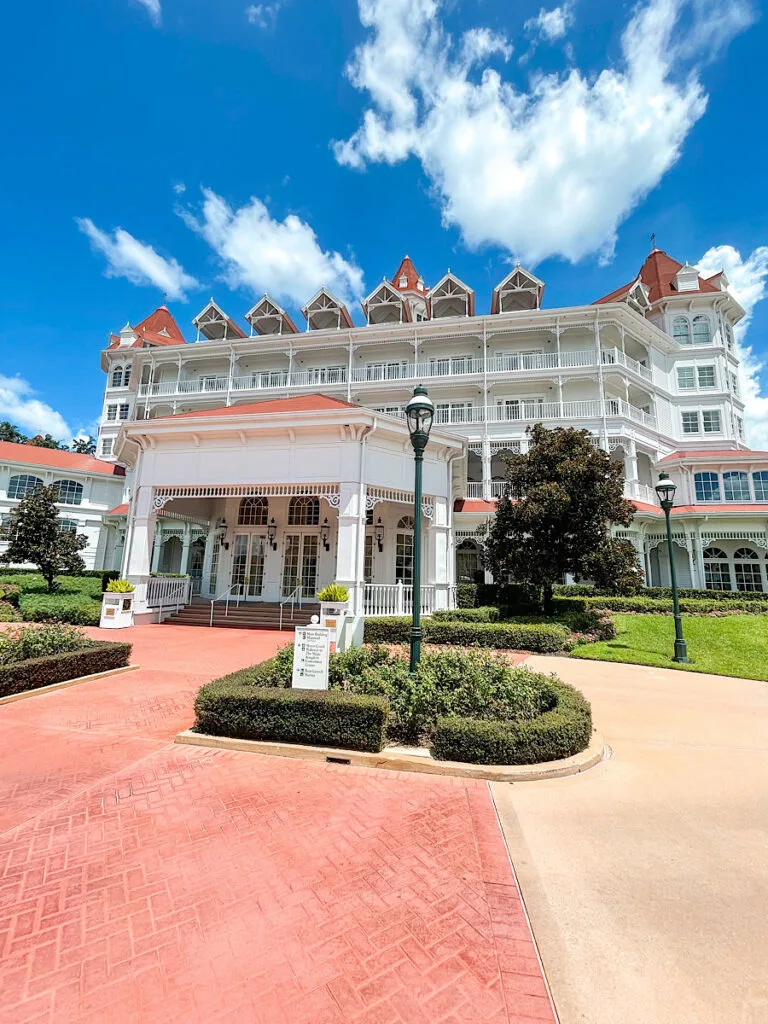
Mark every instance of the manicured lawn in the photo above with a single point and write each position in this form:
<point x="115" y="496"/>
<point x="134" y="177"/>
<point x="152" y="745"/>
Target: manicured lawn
<point x="736" y="645"/>
<point x="77" y="600"/>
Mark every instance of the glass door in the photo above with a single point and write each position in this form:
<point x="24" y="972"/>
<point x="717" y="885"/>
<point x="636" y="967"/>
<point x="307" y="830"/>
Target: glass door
<point x="248" y="565"/>
<point x="300" y="563"/>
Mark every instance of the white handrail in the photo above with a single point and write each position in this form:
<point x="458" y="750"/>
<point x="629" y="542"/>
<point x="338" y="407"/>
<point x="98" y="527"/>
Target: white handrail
<point x="226" y="593"/>
<point x="292" y="598"/>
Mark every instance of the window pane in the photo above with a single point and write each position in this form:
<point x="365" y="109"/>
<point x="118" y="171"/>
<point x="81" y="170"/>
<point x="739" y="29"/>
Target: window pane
<point x="707" y="486"/>
<point x="748" y="576"/>
<point x="711" y="420"/>
<point x="69" y="492"/>
<point x="685" y="377"/>
<point x="681" y="330"/>
<point x="736" y="486"/>
<point x="760" y="482"/>
<point x="717" y="575"/>
<point x="701" y="333"/>
<point x="706" y="376"/>
<point x="22" y="485"/>
<point x="111" y="413"/>
<point x="404" y="557"/>
<point x="690" y="423"/>
<point x="304" y="512"/>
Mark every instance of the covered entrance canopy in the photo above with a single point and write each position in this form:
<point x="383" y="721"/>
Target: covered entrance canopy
<point x="295" y="493"/>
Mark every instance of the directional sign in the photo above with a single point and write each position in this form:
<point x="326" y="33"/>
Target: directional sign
<point x="310" y="658"/>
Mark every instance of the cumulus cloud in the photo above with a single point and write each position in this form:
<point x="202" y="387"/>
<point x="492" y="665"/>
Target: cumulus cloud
<point x="19" y="405"/>
<point x="128" y="257"/>
<point x="551" y="25"/>
<point x="748" y="282"/>
<point x="262" y="254"/>
<point x="262" y="15"/>
<point x="153" y="7"/>
<point x="551" y="171"/>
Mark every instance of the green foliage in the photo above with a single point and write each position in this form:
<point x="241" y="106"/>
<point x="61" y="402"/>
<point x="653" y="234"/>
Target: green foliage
<point x="574" y="590"/>
<point x="561" y="731"/>
<point x="489" y="614"/>
<point x="596" y="622"/>
<point x="705" y="595"/>
<point x="466" y="595"/>
<point x="78" y="609"/>
<point x="84" y="445"/>
<point x="36" y="641"/>
<point x="34" y="536"/>
<point x="47" y="441"/>
<point x="334" y="593"/>
<point x="614" y="568"/>
<point x="641" y="603"/>
<point x="33" y="673"/>
<point x="321" y="717"/>
<point x="8" y="613"/>
<point x="544" y="638"/>
<point x="10" y="592"/>
<point x="10" y="432"/>
<point x="111" y="574"/>
<point x="565" y="494"/>
<point x="119" y="587"/>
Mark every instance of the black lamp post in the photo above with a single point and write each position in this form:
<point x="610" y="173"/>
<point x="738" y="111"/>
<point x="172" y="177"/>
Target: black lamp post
<point x="419" y="413"/>
<point x="666" y="492"/>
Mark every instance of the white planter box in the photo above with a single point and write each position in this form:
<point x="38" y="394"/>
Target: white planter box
<point x="116" y="611"/>
<point x="332" y="615"/>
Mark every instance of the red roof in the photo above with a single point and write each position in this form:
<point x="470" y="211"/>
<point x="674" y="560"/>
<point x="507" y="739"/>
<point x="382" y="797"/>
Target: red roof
<point x="301" y="403"/>
<point x="54" y="459"/>
<point x="118" y="510"/>
<point x="473" y="505"/>
<point x="715" y="453"/>
<point x="657" y="274"/>
<point x="148" y="331"/>
<point x="412" y="277"/>
<point x="757" y="508"/>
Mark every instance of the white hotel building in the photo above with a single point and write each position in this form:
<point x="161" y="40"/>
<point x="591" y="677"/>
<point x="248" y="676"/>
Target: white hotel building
<point x="260" y="455"/>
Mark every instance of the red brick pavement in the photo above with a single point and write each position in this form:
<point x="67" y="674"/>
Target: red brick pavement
<point x="142" y="881"/>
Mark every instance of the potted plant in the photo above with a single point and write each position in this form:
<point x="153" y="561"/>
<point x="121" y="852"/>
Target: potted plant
<point x="334" y="602"/>
<point x="117" y="605"/>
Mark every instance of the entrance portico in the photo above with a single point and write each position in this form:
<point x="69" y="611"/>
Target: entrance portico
<point x="295" y="493"/>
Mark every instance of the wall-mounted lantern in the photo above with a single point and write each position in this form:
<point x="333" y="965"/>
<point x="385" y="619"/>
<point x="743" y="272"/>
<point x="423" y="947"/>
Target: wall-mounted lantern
<point x="271" y="533"/>
<point x="380" y="534"/>
<point x="324" y="535"/>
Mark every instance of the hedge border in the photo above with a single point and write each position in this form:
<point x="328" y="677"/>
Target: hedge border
<point x="35" y="673"/>
<point x="544" y="638"/>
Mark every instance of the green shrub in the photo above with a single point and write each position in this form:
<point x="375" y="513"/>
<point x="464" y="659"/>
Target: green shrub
<point x="705" y="595"/>
<point x="466" y="595"/>
<point x="561" y="731"/>
<point x="595" y="621"/>
<point x="574" y="589"/>
<point x="119" y="587"/>
<point x="34" y="673"/>
<point x="543" y="638"/>
<point x="37" y="641"/>
<point x="112" y="574"/>
<point x="10" y="592"/>
<point x="490" y="614"/>
<point x="8" y="613"/>
<point x="334" y="593"/>
<point x="75" y="608"/>
<point x="320" y="717"/>
<point x="641" y="603"/>
<point x="517" y="596"/>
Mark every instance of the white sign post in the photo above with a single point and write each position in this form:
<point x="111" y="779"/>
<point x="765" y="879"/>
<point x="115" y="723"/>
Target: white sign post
<point x="310" y="657"/>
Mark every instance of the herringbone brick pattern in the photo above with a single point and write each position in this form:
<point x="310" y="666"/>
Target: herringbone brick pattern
<point x="198" y="885"/>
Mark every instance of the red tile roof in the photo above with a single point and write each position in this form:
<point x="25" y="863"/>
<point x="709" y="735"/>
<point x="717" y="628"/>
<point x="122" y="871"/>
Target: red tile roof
<point x="657" y="274"/>
<point x="11" y="452"/>
<point x="148" y="331"/>
<point x="301" y="403"/>
<point x="714" y="453"/>
<point x="757" y="508"/>
<point x="473" y="505"/>
<point x="411" y="274"/>
<point x="118" y="510"/>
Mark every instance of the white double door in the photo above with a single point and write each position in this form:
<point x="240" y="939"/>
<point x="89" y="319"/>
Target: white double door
<point x="248" y="565"/>
<point x="301" y="554"/>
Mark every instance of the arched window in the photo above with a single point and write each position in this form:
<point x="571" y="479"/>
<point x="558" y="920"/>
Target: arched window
<point x="68" y="492"/>
<point x="22" y="485"/>
<point x="304" y="511"/>
<point x="717" y="571"/>
<point x="127" y="376"/>
<point x="404" y="550"/>
<point x="736" y="486"/>
<point x="707" y="486"/>
<point x="253" y="512"/>
<point x="467" y="561"/>
<point x="67" y="526"/>
<point x="681" y="330"/>
<point x="117" y="377"/>
<point x="747" y="570"/>
<point x="760" y="483"/>
<point x="701" y="331"/>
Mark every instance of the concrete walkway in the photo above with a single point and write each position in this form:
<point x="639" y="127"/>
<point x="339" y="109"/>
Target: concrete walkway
<point x="142" y="881"/>
<point x="646" y="879"/>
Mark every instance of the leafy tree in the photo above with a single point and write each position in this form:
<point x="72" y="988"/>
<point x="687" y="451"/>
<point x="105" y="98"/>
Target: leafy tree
<point x="614" y="568"/>
<point x="47" y="441"/>
<point x="84" y="445"/>
<point x="565" y="492"/>
<point x="32" y="529"/>
<point x="10" y="432"/>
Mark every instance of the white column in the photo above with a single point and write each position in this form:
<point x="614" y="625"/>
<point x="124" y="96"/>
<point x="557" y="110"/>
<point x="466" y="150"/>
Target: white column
<point x="350" y="541"/>
<point x="136" y="559"/>
<point x="157" y="546"/>
<point x="487" y="472"/>
<point x="185" y="548"/>
<point x="438" y="569"/>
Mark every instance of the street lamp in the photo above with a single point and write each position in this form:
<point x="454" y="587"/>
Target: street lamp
<point x="419" y="414"/>
<point x="665" y="489"/>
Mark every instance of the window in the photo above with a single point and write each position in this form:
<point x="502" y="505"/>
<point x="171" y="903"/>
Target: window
<point x="701" y="331"/>
<point x="690" y="423"/>
<point x="686" y="377"/>
<point x="760" y="483"/>
<point x="368" y="559"/>
<point x="117" y="377"/>
<point x="123" y="411"/>
<point x="67" y="526"/>
<point x="214" y="570"/>
<point x="729" y="337"/>
<point x="733" y="382"/>
<point x="681" y="330"/>
<point x="717" y="571"/>
<point x="5" y="523"/>
<point x="736" y="486"/>
<point x="111" y="413"/>
<point x="455" y="412"/>
<point x="747" y="570"/>
<point x="739" y="427"/>
<point x="106" y="446"/>
<point x="69" y="492"/>
<point x="253" y="512"/>
<point x="126" y="376"/>
<point x="711" y="420"/>
<point x="706" y="376"/>
<point x="707" y="486"/>
<point x="404" y="550"/>
<point x="304" y="511"/>
<point x="22" y="485"/>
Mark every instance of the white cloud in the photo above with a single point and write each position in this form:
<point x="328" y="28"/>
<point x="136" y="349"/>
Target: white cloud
<point x="551" y="25"/>
<point x="261" y="254"/>
<point x="748" y="281"/>
<point x="551" y="171"/>
<point x="179" y="188"/>
<point x="153" y="7"/>
<point x="19" y="406"/>
<point x="263" y="15"/>
<point x="140" y="263"/>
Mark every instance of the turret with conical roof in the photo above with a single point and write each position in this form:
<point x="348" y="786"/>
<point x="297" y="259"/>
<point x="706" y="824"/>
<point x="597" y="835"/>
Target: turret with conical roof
<point x="409" y="282"/>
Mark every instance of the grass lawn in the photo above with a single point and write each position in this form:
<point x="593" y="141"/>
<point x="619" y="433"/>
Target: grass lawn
<point x="736" y="645"/>
<point x="77" y="600"/>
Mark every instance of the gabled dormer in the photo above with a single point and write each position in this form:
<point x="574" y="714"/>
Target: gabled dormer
<point x="450" y="297"/>
<point x="386" y="305"/>
<point x="687" y="279"/>
<point x="214" y="324"/>
<point x="519" y="291"/>
<point x="266" y="317"/>
<point x="127" y="337"/>
<point x="324" y="311"/>
<point x="638" y="297"/>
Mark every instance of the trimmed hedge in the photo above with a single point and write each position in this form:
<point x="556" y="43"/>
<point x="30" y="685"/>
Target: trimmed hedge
<point x="33" y="673"/>
<point x="466" y="595"/>
<point x="113" y="574"/>
<point x="663" y="593"/>
<point x="490" y="614"/>
<point x="561" y="732"/>
<point x="79" y="609"/>
<point x="542" y="638"/>
<point x="572" y="605"/>
<point x="320" y="717"/>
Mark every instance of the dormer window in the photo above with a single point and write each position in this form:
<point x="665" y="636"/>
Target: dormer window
<point x="420" y="284"/>
<point x="403" y="281"/>
<point x="687" y="279"/>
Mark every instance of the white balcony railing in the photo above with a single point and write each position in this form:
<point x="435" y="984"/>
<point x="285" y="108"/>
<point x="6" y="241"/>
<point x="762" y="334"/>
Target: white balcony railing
<point x="395" y="599"/>
<point x="168" y="593"/>
<point x="474" y="489"/>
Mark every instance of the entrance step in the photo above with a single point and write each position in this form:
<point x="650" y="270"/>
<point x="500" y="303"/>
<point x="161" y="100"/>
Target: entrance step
<point x="247" y="616"/>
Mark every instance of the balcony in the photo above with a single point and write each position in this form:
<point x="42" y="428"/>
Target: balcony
<point x="497" y="488"/>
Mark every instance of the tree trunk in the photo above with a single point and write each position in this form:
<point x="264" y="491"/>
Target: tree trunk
<point x="549" y="608"/>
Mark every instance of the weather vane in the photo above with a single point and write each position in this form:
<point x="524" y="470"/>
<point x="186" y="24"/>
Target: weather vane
<point x="653" y="240"/>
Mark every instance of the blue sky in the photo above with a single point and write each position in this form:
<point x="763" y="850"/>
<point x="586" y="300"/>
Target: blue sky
<point x="244" y="147"/>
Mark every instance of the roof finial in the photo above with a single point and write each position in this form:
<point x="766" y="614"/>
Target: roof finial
<point x="653" y="240"/>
